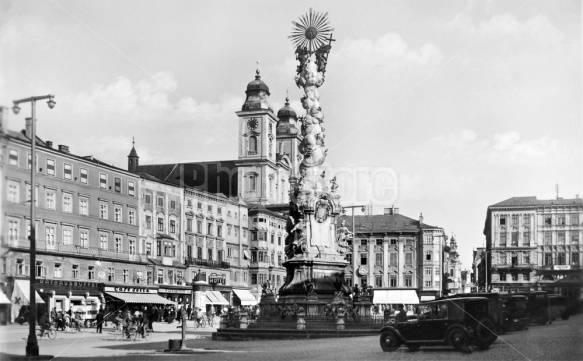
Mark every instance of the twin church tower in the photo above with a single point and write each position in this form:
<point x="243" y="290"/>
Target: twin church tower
<point x="267" y="155"/>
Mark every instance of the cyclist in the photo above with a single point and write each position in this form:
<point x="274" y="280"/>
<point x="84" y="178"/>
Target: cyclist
<point x="44" y="323"/>
<point x="209" y="316"/>
<point x="77" y="321"/>
<point x="126" y="324"/>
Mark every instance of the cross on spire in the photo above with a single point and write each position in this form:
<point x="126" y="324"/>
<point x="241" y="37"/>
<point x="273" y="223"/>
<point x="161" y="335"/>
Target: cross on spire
<point x="133" y="141"/>
<point x="331" y="40"/>
<point x="257" y="71"/>
<point x="287" y="95"/>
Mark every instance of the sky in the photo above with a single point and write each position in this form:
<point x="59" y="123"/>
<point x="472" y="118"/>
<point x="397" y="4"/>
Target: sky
<point x="436" y="107"/>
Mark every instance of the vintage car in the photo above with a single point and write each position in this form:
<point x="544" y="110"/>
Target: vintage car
<point x="459" y="322"/>
<point x="496" y="313"/>
<point x="538" y="306"/>
<point x="515" y="312"/>
<point x="560" y="306"/>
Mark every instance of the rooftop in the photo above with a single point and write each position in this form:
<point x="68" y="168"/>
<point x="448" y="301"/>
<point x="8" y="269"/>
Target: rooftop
<point x="533" y="201"/>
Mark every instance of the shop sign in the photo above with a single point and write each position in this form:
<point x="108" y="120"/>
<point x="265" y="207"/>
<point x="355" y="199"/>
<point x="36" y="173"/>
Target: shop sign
<point x="173" y="290"/>
<point x="69" y="284"/>
<point x="130" y="289"/>
<point x="217" y="278"/>
<point x="562" y="267"/>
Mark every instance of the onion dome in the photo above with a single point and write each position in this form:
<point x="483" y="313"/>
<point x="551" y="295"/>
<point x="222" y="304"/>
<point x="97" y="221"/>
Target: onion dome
<point x="287" y="111"/>
<point x="257" y="94"/>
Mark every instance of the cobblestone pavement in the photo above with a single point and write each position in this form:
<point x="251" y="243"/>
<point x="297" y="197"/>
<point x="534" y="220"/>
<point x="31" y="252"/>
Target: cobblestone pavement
<point x="561" y="340"/>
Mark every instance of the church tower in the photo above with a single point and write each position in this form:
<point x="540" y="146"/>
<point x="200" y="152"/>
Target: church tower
<point x="133" y="159"/>
<point x="257" y="162"/>
<point x="289" y="136"/>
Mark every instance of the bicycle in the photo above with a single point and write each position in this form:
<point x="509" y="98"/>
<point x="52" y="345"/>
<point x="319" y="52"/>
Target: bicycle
<point x="75" y="326"/>
<point x="133" y="333"/>
<point x="50" y="332"/>
<point x="210" y="321"/>
<point x="201" y="323"/>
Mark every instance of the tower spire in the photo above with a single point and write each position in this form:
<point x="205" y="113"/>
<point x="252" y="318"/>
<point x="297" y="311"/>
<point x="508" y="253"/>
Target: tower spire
<point x="133" y="158"/>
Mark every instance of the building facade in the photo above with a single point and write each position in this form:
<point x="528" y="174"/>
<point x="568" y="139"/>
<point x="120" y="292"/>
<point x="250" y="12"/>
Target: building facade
<point x="392" y="251"/>
<point x="534" y="243"/>
<point x="87" y="234"/>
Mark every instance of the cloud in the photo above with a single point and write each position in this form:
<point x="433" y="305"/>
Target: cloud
<point x="507" y="147"/>
<point x="387" y="55"/>
<point x="507" y="31"/>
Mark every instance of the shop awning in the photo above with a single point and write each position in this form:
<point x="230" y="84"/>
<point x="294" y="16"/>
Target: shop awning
<point x="152" y="298"/>
<point x="427" y="298"/>
<point x="246" y="297"/>
<point x="407" y="297"/>
<point x="3" y="299"/>
<point x="21" y="293"/>
<point x="215" y="298"/>
<point x="246" y="254"/>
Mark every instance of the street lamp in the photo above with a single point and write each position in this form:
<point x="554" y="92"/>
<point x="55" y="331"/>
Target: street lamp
<point x="32" y="342"/>
<point x="363" y="208"/>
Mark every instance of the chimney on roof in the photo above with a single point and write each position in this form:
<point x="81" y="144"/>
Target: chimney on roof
<point x="391" y="211"/>
<point x="576" y="196"/>
<point x="49" y="143"/>
<point x="28" y="129"/>
<point x="63" y="148"/>
<point x="420" y="218"/>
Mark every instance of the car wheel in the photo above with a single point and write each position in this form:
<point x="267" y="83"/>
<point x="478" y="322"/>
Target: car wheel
<point x="413" y="347"/>
<point x="542" y="319"/>
<point x="459" y="339"/>
<point x="485" y="334"/>
<point x="565" y="316"/>
<point x="389" y="341"/>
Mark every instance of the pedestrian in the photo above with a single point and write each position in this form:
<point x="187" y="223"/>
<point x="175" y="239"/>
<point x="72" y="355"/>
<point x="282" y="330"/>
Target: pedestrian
<point x="54" y="315"/>
<point x="188" y="312"/>
<point x="179" y="315"/>
<point x="99" y="318"/>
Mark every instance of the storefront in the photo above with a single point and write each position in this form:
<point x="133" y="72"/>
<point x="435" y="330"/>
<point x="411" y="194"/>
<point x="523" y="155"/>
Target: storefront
<point x="181" y="295"/>
<point x="395" y="297"/>
<point x="122" y="298"/>
<point x="65" y="295"/>
<point x="20" y="297"/>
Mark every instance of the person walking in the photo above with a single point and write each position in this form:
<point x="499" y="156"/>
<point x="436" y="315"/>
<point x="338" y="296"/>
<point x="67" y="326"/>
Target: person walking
<point x="99" y="318"/>
<point x="54" y="315"/>
<point x="188" y="312"/>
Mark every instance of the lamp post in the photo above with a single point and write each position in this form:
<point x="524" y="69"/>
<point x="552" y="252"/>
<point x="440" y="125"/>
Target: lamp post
<point x="32" y="342"/>
<point x="353" y="229"/>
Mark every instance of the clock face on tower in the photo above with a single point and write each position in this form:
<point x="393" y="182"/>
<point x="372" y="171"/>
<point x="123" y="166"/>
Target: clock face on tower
<point x="252" y="123"/>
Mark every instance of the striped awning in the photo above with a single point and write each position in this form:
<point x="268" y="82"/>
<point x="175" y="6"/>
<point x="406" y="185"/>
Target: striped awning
<point x="215" y="298"/>
<point x="152" y="298"/>
<point x="246" y="297"/>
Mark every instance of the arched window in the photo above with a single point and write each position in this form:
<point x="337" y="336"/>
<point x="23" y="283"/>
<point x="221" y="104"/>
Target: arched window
<point x="270" y="147"/>
<point x="252" y="144"/>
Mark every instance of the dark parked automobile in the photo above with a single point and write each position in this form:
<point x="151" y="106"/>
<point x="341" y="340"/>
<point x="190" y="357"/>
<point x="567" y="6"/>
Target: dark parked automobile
<point x="560" y="306"/>
<point x="538" y="306"/>
<point x="496" y="315"/>
<point x="515" y="312"/>
<point x="459" y="322"/>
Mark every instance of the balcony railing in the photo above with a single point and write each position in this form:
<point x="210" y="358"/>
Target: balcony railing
<point x="75" y="250"/>
<point x="207" y="263"/>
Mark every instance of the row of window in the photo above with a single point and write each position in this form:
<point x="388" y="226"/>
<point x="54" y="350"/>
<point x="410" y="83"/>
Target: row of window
<point x="560" y="238"/>
<point x="82" y="176"/>
<point x="260" y="278"/>
<point x="393" y="259"/>
<point x="514" y="219"/>
<point x="161" y="225"/>
<point x="209" y="228"/>
<point x="160" y="201"/>
<point x="58" y="271"/>
<point x="169" y="277"/>
<point x="263" y="256"/>
<point x="561" y="219"/>
<point x="67" y="236"/>
<point x="262" y="236"/>
<point x="392" y="281"/>
<point x="514" y="259"/>
<point x="513" y="276"/>
<point x="560" y="258"/>
<point x="209" y="254"/>
<point x="210" y="208"/>
<point x="514" y="235"/>
<point x="67" y="203"/>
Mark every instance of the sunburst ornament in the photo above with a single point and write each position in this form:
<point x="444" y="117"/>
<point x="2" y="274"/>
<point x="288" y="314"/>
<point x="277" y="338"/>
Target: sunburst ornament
<point x="312" y="31"/>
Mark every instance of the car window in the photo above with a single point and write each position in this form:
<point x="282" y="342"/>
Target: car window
<point x="441" y="312"/>
<point x="425" y="311"/>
